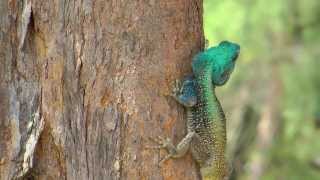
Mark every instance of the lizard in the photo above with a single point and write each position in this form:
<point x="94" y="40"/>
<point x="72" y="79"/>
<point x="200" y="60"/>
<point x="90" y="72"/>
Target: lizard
<point x="206" y="122"/>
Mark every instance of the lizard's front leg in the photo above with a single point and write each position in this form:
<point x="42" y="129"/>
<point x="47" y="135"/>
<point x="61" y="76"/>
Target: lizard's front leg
<point x="185" y="95"/>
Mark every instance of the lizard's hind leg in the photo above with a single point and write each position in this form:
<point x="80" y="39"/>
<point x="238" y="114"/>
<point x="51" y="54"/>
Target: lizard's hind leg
<point x="173" y="152"/>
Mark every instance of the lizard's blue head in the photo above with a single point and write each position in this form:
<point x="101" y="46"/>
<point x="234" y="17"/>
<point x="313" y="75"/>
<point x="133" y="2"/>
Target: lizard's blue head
<point x="225" y="56"/>
<point x="220" y="59"/>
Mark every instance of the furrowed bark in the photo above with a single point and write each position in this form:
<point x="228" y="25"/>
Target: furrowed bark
<point x="84" y="84"/>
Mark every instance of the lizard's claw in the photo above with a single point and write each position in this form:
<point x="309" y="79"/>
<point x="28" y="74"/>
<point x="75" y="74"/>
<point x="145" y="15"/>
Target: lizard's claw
<point x="154" y="147"/>
<point x="206" y="44"/>
<point x="163" y="143"/>
<point x="176" y="89"/>
<point x="165" y="159"/>
<point x="159" y="140"/>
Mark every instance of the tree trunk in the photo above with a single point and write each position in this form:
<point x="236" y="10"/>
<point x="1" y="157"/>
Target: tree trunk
<point x="84" y="84"/>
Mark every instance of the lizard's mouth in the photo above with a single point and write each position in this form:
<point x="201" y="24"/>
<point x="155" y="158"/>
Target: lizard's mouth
<point x="225" y="74"/>
<point x="224" y="77"/>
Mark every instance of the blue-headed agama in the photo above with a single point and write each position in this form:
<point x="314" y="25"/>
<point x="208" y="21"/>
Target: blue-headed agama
<point x="206" y="122"/>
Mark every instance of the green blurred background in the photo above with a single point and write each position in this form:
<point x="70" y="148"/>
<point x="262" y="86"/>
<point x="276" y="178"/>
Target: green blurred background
<point x="272" y="99"/>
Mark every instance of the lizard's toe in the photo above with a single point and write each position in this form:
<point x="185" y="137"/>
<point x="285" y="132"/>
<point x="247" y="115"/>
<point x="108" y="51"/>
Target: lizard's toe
<point x="161" y="162"/>
<point x="154" y="147"/>
<point x="176" y="88"/>
<point x="159" y="140"/>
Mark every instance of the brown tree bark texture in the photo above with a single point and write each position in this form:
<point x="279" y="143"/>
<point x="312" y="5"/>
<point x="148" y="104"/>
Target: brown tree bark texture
<point x="83" y="85"/>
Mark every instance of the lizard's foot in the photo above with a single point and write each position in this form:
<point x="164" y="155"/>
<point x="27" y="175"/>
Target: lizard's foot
<point x="163" y="143"/>
<point x="206" y="44"/>
<point x="173" y="151"/>
<point x="176" y="89"/>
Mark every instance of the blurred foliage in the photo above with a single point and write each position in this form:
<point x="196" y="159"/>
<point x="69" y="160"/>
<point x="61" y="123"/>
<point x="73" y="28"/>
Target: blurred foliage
<point x="281" y="36"/>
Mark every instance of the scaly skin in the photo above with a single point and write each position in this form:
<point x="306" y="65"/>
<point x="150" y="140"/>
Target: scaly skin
<point x="206" y="122"/>
<point x="210" y="127"/>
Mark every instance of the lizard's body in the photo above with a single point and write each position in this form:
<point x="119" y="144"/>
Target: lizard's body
<point x="206" y="124"/>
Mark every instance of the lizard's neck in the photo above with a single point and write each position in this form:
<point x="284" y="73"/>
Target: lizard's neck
<point x="207" y="91"/>
<point x="215" y="116"/>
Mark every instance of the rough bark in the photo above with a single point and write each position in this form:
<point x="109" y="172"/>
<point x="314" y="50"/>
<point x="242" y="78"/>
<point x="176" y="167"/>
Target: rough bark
<point x="84" y="84"/>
